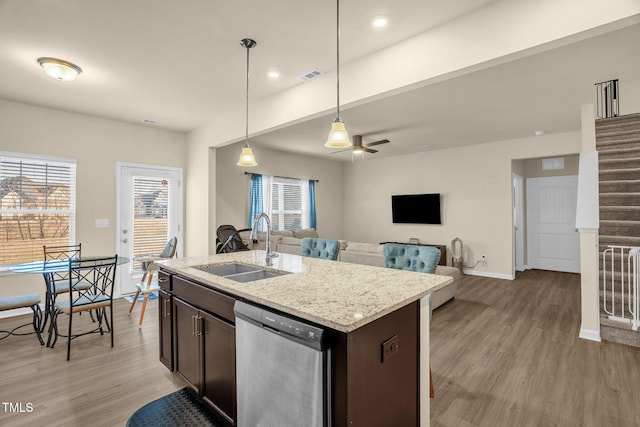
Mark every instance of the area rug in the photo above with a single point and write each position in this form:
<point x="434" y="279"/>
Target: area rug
<point x="180" y="408"/>
<point x="152" y="296"/>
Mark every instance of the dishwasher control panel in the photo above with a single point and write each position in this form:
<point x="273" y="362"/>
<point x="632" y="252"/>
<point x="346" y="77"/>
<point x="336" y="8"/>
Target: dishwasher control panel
<point x="291" y="327"/>
<point x="304" y="333"/>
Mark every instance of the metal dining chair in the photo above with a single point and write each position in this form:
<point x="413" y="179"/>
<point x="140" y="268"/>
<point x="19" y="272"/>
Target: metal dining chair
<point x="62" y="282"/>
<point x="100" y="274"/>
<point x="22" y="301"/>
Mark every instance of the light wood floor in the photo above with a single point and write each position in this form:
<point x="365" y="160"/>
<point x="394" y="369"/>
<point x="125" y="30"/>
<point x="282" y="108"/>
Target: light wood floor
<point x="99" y="386"/>
<point x="504" y="353"/>
<point x="507" y="353"/>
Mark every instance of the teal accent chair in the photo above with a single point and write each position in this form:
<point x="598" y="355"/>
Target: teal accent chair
<point x="320" y="248"/>
<point x="423" y="259"/>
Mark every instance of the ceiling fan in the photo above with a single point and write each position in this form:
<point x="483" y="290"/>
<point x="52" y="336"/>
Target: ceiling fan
<point x="359" y="147"/>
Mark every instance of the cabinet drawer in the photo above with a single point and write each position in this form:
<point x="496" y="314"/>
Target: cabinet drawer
<point x="204" y="298"/>
<point x="164" y="281"/>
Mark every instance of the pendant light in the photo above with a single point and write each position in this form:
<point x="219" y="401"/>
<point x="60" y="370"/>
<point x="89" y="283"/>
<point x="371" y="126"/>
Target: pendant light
<point x="247" y="158"/>
<point x="338" y="136"/>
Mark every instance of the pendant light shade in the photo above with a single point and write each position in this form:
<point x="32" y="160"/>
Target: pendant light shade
<point x="338" y="136"/>
<point x="247" y="159"/>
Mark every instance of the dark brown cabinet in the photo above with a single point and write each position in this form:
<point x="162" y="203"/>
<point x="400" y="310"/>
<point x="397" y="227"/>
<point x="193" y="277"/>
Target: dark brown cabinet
<point x="219" y="371"/>
<point x="204" y="345"/>
<point x="165" y="311"/>
<point x="372" y="382"/>
<point x="166" y="328"/>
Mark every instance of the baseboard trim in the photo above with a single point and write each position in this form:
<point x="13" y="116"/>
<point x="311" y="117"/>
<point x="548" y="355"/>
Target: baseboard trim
<point x="489" y="274"/>
<point x="588" y="334"/>
<point x="17" y="312"/>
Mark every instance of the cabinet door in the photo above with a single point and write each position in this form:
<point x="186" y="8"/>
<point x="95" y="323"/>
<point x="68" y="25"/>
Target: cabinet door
<point x="219" y="386"/>
<point x="166" y="328"/>
<point x="186" y="344"/>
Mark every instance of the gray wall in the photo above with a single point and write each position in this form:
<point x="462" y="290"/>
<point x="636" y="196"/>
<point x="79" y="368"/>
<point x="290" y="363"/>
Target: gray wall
<point x="232" y="185"/>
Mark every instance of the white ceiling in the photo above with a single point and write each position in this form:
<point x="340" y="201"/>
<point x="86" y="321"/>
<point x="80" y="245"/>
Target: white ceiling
<point x="176" y="62"/>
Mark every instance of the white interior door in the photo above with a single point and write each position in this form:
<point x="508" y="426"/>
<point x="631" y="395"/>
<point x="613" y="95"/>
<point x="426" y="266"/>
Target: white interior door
<point x="553" y="242"/>
<point x="518" y="222"/>
<point x="150" y="212"/>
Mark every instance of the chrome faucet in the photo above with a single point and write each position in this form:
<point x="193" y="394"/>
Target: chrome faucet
<point x="254" y="236"/>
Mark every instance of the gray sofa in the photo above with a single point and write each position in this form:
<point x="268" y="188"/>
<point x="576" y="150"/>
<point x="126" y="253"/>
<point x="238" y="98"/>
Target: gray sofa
<point x="289" y="242"/>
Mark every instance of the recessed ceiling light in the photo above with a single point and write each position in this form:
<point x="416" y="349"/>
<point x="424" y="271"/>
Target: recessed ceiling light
<point x="380" y="21"/>
<point x="539" y="132"/>
<point x="273" y="74"/>
<point x="59" y="69"/>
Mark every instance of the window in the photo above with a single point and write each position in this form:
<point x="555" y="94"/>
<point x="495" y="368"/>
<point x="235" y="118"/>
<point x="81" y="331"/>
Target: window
<point x="37" y="206"/>
<point x="289" y="204"/>
<point x="150" y="216"/>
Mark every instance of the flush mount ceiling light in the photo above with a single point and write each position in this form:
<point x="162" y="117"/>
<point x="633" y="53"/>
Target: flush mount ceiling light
<point x="247" y="159"/>
<point x="59" y="69"/>
<point x="338" y="136"/>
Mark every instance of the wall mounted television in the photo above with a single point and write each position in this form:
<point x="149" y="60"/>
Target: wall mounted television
<point x="416" y="209"/>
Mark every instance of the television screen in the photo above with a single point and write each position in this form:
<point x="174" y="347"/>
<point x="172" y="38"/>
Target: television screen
<point x="416" y="209"/>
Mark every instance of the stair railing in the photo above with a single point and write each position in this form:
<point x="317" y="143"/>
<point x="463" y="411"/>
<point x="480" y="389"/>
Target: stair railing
<point x="634" y="256"/>
<point x="607" y="99"/>
<point x="624" y="280"/>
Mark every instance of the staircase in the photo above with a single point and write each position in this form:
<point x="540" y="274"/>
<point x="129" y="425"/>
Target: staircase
<point x="618" y="145"/>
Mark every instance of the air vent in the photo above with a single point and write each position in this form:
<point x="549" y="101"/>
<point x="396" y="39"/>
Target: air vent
<point x="555" y="163"/>
<point x="310" y="75"/>
<point x="151" y="122"/>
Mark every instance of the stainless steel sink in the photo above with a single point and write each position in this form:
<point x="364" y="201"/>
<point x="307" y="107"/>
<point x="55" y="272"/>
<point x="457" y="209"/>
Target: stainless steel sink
<point x="240" y="272"/>
<point x="226" y="269"/>
<point x="250" y="276"/>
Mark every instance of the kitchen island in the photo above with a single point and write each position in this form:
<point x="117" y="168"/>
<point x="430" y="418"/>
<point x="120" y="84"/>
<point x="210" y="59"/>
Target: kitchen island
<point x="377" y="318"/>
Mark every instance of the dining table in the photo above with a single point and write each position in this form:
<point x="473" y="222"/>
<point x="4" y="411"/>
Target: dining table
<point x="48" y="269"/>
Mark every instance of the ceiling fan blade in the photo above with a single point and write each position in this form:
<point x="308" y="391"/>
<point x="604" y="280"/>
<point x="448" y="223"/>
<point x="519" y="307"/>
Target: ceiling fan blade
<point x="369" y="150"/>
<point x="371" y="144"/>
<point x="342" y="151"/>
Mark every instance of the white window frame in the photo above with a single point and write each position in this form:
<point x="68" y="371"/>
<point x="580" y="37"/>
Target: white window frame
<point x="280" y="211"/>
<point x="71" y="211"/>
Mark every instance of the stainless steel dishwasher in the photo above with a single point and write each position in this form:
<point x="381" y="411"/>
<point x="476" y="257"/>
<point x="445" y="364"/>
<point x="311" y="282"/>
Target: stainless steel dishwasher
<point x="282" y="370"/>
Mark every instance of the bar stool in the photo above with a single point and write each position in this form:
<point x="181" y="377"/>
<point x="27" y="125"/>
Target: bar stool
<point x="22" y="301"/>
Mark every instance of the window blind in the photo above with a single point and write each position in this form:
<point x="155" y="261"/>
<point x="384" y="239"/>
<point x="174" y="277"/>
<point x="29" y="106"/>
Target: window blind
<point x="37" y="206"/>
<point x="289" y="204"/>
<point x="150" y="216"/>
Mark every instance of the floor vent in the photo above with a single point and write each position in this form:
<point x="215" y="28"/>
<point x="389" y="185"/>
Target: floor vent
<point x="310" y="75"/>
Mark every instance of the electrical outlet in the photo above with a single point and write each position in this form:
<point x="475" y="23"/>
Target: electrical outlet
<point x="389" y="348"/>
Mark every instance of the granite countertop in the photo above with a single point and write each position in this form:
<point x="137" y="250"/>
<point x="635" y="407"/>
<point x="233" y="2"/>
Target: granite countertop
<point x="338" y="295"/>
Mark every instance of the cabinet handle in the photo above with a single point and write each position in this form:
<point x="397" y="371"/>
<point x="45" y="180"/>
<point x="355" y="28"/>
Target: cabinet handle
<point x="163" y="279"/>
<point x="193" y="325"/>
<point x="166" y="311"/>
<point x="198" y="325"/>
